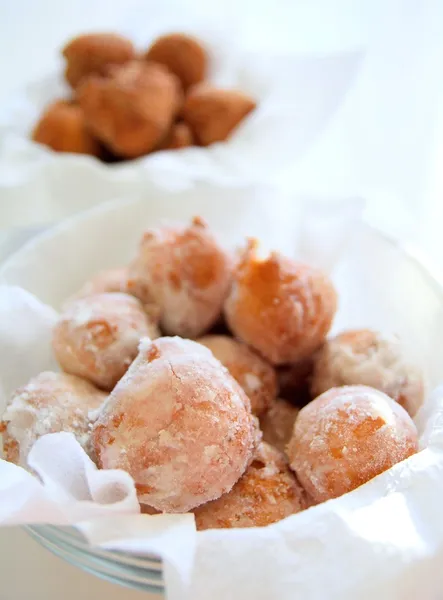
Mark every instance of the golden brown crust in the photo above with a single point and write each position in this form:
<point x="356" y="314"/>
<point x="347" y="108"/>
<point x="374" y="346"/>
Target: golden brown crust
<point x="63" y="128"/>
<point x="214" y="113"/>
<point x="183" y="55"/>
<point x="90" y="53"/>
<point x="255" y="375"/>
<point x="11" y="449"/>
<point x="267" y="492"/>
<point x="280" y="307"/>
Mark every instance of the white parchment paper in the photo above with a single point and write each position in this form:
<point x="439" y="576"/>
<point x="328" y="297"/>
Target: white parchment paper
<point x="383" y="540"/>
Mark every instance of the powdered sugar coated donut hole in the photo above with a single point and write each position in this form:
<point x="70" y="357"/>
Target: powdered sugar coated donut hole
<point x="280" y="307"/>
<point x="49" y="403"/>
<point x="179" y="424"/>
<point x="369" y="358"/>
<point x="347" y="436"/>
<point x="97" y="337"/>
<point x="186" y="273"/>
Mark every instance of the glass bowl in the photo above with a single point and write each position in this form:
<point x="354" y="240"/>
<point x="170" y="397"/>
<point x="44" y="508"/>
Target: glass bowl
<point x="139" y="572"/>
<point x="381" y="285"/>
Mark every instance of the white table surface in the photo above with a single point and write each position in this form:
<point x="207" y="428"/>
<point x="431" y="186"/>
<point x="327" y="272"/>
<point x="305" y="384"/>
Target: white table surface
<point x="30" y="34"/>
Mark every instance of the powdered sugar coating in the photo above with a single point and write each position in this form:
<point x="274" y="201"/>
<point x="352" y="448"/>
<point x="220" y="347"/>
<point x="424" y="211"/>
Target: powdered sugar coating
<point x="267" y="492"/>
<point x="256" y="376"/>
<point x="179" y="424"/>
<point x="97" y="337"/>
<point x="49" y="403"/>
<point x="186" y="273"/>
<point x="347" y="436"/>
<point x="369" y="358"/>
<point x="277" y="424"/>
<point x="280" y="307"/>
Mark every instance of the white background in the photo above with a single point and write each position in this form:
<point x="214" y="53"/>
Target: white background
<point x="386" y="143"/>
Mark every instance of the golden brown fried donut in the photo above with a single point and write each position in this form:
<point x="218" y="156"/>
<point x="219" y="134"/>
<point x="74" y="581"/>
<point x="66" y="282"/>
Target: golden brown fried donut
<point x="179" y="424"/>
<point x="369" y="358"/>
<point x="256" y="376"/>
<point x="280" y="307"/>
<point x="267" y="492"/>
<point x="62" y="127"/>
<point x="347" y="436"/>
<point x="183" y="55"/>
<point x="131" y="107"/>
<point x="90" y="53"/>
<point x="213" y="113"/>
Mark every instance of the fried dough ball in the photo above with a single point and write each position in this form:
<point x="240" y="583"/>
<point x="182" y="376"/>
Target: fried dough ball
<point x="97" y="337"/>
<point x="90" y="53"/>
<point x="183" y="55"/>
<point x="108" y="281"/>
<point x="347" y="436"/>
<point x="62" y="127"/>
<point x="131" y="107"/>
<point x="180" y="136"/>
<point x="280" y="307"/>
<point x="49" y="403"/>
<point x="268" y="492"/>
<point x="186" y="273"/>
<point x="277" y="423"/>
<point x="179" y="424"/>
<point x="213" y="113"/>
<point x="294" y="381"/>
<point x="257" y="377"/>
<point x="370" y="358"/>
